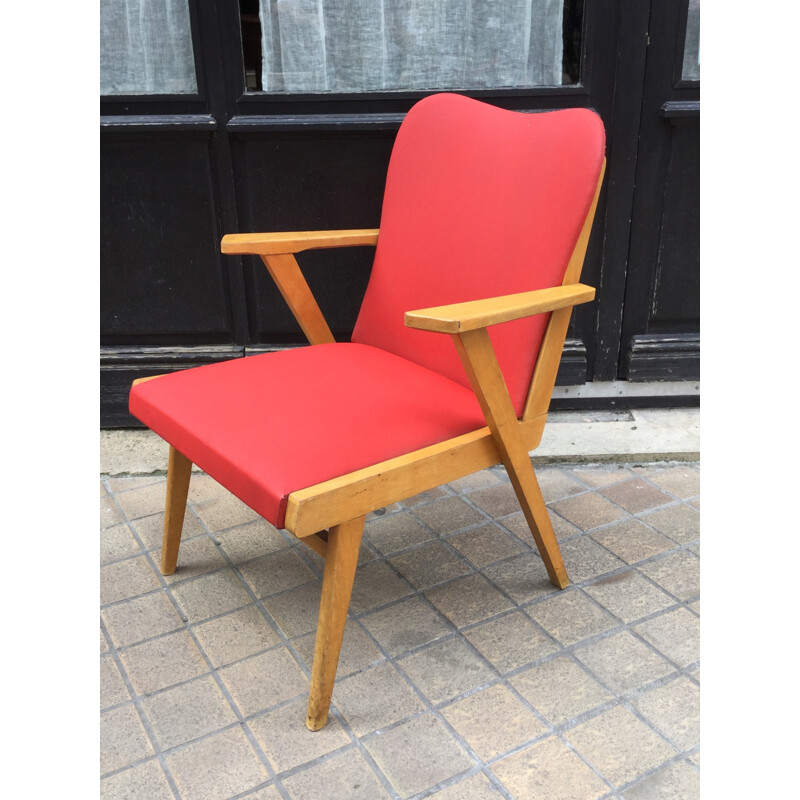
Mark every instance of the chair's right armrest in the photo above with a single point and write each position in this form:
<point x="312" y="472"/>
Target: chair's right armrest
<point x="269" y="244"/>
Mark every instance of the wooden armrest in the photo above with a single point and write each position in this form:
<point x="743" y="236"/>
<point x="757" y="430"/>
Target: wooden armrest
<point x="474" y="314"/>
<point x="266" y="244"/>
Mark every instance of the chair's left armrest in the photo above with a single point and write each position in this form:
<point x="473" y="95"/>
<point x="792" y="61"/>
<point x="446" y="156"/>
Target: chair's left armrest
<point x="268" y="244"/>
<point x="473" y="314"/>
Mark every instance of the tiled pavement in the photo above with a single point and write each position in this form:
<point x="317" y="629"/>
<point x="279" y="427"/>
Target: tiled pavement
<point x="464" y="673"/>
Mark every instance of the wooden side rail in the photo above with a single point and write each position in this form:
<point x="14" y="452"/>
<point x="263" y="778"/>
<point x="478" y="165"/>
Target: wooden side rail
<point x="267" y="244"/>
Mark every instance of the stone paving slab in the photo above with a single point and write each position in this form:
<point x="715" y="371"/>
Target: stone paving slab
<point x="464" y="673"/>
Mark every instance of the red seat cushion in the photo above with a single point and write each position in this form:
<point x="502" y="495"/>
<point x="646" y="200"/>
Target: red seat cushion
<point x="265" y="426"/>
<point x="479" y="202"/>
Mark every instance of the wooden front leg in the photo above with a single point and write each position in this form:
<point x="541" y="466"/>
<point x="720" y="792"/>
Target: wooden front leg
<point x="341" y="557"/>
<point x="179" y="472"/>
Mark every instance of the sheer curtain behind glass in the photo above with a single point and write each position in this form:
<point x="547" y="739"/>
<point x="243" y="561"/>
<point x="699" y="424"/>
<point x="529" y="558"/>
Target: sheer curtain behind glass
<point x="146" y="47"/>
<point x="374" y="45"/>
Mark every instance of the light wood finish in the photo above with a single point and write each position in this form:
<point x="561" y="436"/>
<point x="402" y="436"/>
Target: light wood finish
<point x="480" y="363"/>
<point x="316" y="543"/>
<point x="344" y="542"/>
<point x="264" y="244"/>
<point x="179" y="471"/>
<point x="144" y="380"/>
<point x="285" y="271"/>
<point x="480" y="313"/>
<point x="544" y="374"/>
<point x="359" y="493"/>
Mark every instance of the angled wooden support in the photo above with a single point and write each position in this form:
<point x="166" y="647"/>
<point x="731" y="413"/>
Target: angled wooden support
<point x="179" y="472"/>
<point x="479" y="360"/>
<point x="344" y="542"/>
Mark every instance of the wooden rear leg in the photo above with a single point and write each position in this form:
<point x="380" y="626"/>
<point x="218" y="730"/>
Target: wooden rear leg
<point x="341" y="557"/>
<point x="178" y="473"/>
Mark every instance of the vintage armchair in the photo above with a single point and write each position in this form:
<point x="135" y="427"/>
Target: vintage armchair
<point x="485" y="222"/>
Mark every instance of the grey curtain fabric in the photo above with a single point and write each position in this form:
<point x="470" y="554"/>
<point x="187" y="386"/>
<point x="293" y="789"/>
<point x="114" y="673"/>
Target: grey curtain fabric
<point x="373" y="45"/>
<point x="146" y="47"/>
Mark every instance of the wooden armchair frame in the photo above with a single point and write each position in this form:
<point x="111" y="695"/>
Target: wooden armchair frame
<point x="329" y="517"/>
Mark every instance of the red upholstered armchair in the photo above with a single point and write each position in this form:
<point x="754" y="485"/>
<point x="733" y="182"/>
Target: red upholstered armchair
<point x="485" y="222"/>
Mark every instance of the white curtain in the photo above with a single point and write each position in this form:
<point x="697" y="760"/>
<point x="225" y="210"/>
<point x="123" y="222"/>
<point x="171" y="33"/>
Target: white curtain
<point x="373" y="45"/>
<point x="146" y="47"/>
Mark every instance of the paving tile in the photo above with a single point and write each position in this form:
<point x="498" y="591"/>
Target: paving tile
<point x="587" y="511"/>
<point x="677" y="782"/>
<point x="143" y="782"/>
<point x="346" y="775"/>
<point x="430" y="564"/>
<point x="680" y="522"/>
<point x="557" y="483"/>
<point x="633" y="541"/>
<point x="235" y="636"/>
<point x="619" y="745"/>
<point x="674" y="710"/>
<point x="548" y="769"/>
<point x="599" y="476"/>
<point x="297" y="610"/>
<point x="224" y="512"/>
<point x="518" y="525"/>
<point x="375" y="585"/>
<point x="375" y="698"/>
<point x="151" y="529"/>
<point x="496" y="501"/>
<point x="264" y="680"/>
<point x="211" y="595"/>
<point x="485" y="545"/>
<point x="446" y="669"/>
<point x="426" y="497"/>
<point x="103" y="643"/>
<point x="117" y="542"/>
<point x="467" y="600"/>
<point x="478" y="787"/>
<point x="267" y="793"/>
<point x="570" y="616"/>
<point x="287" y="742"/>
<point x="187" y="712"/>
<point x="510" y="641"/>
<point x="478" y="480"/>
<point x="357" y="653"/>
<point x="406" y="625"/>
<point x="622" y="662"/>
<point x="223" y="765"/>
<point x="448" y="515"/>
<point x="123" y="483"/>
<point x="251" y="540"/>
<point x="163" y="662"/>
<point x="276" y="572"/>
<point x="203" y="487"/>
<point x="560" y="689"/>
<point x="112" y="687"/>
<point x="522" y="578"/>
<point x="683" y="480"/>
<point x="676" y="634"/>
<point x="417" y="755"/>
<point x="628" y="595"/>
<point x="636" y="495"/>
<point x="493" y="721"/>
<point x="396" y="532"/>
<point x="196" y="557"/>
<point x="143" y="501"/>
<point x="123" y="740"/>
<point x="110" y="513"/>
<point x="585" y="559"/>
<point x="141" y="618"/>
<point x="678" y="573"/>
<point x="124" y="579"/>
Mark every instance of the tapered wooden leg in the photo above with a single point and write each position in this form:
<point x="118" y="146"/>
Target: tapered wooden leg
<point x="344" y="542"/>
<point x="478" y="358"/>
<point x="179" y="472"/>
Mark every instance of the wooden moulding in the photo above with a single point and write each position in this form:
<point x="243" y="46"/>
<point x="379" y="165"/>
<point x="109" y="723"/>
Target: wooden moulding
<point x="359" y="493"/>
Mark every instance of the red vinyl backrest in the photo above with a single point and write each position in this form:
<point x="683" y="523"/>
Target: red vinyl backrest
<point x="479" y="202"/>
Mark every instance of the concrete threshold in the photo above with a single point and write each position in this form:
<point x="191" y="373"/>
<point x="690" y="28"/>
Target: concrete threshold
<point x="639" y="435"/>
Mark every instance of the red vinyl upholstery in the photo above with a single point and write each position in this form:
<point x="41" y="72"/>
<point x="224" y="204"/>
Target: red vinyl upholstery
<point x="479" y="202"/>
<point x="265" y="426"/>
